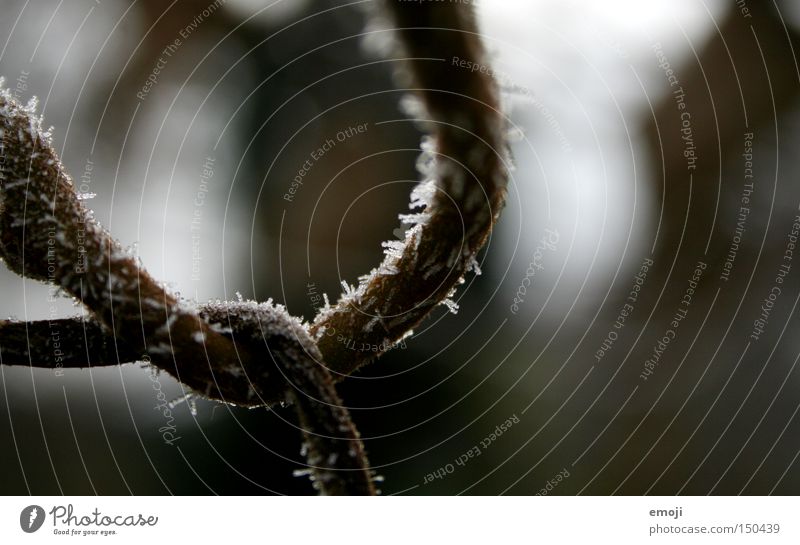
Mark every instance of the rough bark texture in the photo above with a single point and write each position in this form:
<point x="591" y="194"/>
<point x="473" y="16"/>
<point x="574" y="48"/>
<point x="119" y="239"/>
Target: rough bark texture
<point x="244" y="352"/>
<point x="255" y="354"/>
<point x="47" y="234"/>
<point x="462" y="193"/>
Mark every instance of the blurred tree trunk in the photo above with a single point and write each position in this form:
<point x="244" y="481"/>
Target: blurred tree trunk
<point x="735" y="84"/>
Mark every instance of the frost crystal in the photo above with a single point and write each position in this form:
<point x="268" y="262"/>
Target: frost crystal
<point x="413" y="107"/>
<point x="393" y="249"/>
<point x="349" y="291"/>
<point x="472" y="266"/>
<point x="378" y="40"/>
<point x="11" y="109"/>
<point x="259" y="321"/>
<point x="448" y="301"/>
<point x="422" y="195"/>
<point x="415" y="219"/>
<point x="515" y="134"/>
<point x="189" y="398"/>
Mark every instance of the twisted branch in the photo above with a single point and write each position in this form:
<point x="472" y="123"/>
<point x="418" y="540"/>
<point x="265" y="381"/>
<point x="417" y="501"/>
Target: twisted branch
<point x="47" y="234"/>
<point x="461" y="195"/>
<point x="69" y="343"/>
<point x="219" y="350"/>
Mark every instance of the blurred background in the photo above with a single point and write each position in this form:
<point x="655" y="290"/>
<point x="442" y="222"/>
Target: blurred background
<point x="655" y="149"/>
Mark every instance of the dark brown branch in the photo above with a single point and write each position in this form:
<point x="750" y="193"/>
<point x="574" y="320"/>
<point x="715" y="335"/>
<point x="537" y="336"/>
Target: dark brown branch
<point x="333" y="447"/>
<point x="244" y="353"/>
<point x="469" y="172"/>
<point x="334" y="451"/>
<point x="220" y="350"/>
<point x="47" y="234"/>
<point x="465" y="189"/>
<point x="72" y="343"/>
